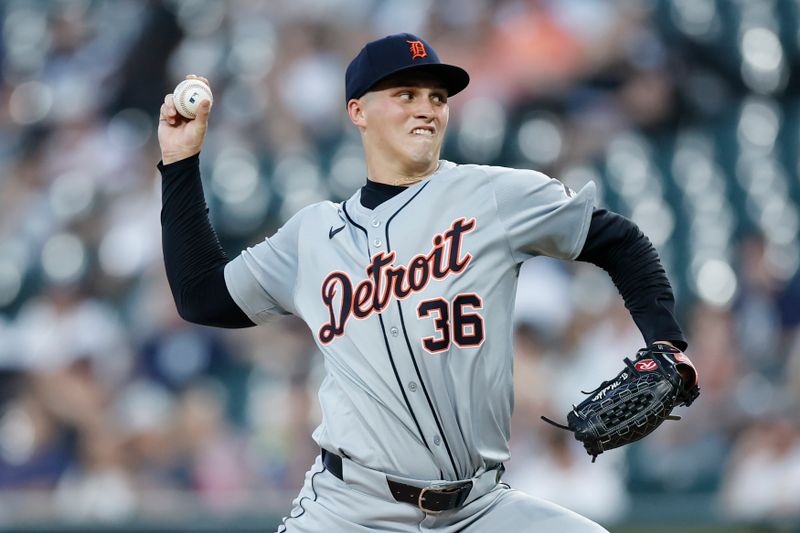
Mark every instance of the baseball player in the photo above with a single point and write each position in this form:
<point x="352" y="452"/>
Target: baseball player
<point x="407" y="287"/>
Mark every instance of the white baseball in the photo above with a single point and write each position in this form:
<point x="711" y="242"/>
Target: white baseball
<point x="188" y="94"/>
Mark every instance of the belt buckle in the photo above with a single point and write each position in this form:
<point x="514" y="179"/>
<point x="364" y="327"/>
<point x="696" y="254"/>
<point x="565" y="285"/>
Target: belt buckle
<point x="433" y="488"/>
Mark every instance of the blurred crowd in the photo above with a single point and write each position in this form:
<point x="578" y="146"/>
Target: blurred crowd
<point x="683" y="112"/>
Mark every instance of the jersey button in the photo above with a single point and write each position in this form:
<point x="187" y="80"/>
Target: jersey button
<point x="412" y="386"/>
<point x="436" y="440"/>
<point x="394" y="332"/>
<point x="375" y="223"/>
<point x="377" y="243"/>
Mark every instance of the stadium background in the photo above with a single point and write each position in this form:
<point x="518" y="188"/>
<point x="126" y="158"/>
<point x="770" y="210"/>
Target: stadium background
<point x="115" y="415"/>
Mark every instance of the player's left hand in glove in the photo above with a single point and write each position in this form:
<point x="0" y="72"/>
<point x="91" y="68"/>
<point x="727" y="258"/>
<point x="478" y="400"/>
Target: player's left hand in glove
<point x="633" y="404"/>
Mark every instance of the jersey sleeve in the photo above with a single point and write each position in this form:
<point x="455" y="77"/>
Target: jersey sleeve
<point x="540" y="215"/>
<point x="262" y="278"/>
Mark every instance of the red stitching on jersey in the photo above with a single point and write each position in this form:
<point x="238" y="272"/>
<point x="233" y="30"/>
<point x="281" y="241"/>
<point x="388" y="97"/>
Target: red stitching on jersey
<point x="384" y="281"/>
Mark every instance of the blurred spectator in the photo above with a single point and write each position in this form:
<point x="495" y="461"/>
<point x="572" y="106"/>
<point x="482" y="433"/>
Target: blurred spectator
<point x="547" y="462"/>
<point x="35" y="448"/>
<point x="218" y="458"/>
<point x="560" y="471"/>
<point x="98" y="488"/>
<point x="763" y="476"/>
<point x="758" y="330"/>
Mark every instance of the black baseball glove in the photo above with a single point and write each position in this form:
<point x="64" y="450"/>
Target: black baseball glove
<point x="633" y="404"/>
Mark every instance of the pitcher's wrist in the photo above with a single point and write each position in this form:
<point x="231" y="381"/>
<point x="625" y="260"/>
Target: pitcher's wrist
<point x="168" y="158"/>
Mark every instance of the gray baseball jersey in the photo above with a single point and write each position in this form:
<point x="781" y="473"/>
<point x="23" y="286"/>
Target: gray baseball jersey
<point x="411" y="305"/>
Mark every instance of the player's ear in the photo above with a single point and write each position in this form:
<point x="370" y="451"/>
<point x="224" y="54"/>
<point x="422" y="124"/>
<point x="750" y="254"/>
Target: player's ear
<point x="355" y="110"/>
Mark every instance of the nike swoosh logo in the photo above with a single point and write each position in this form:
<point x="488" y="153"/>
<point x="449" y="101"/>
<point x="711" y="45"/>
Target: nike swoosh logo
<point x="333" y="232"/>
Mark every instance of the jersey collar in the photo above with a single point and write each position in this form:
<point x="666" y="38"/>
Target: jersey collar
<point x="364" y="216"/>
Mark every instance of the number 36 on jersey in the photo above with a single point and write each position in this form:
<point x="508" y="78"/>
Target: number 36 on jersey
<point x="455" y="321"/>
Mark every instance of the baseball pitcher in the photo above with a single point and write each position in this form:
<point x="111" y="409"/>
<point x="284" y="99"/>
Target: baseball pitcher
<point x="408" y="287"/>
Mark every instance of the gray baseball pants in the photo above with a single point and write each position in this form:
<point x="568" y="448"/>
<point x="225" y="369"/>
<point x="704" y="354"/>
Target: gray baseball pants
<point x="362" y="503"/>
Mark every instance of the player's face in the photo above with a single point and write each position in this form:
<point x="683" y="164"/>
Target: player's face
<point x="404" y="121"/>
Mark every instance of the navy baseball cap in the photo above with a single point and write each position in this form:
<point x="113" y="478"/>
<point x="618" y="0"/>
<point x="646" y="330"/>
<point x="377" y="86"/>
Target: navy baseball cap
<point x="381" y="58"/>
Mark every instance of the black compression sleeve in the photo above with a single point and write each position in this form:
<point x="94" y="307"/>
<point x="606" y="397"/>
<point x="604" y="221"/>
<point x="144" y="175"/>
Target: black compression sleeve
<point x="193" y="257"/>
<point x="616" y="245"/>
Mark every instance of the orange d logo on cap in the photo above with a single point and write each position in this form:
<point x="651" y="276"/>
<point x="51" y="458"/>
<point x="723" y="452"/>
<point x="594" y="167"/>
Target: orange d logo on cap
<point x="417" y="49"/>
<point x="390" y="55"/>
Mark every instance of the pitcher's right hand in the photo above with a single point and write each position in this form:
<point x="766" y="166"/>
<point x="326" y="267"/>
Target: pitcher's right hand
<point x="181" y="137"/>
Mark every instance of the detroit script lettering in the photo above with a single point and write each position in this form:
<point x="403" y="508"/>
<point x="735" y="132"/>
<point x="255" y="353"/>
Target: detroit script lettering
<point x="384" y="281"/>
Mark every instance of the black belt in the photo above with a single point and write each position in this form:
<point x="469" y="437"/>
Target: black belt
<point x="432" y="499"/>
